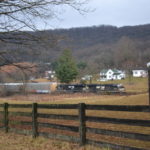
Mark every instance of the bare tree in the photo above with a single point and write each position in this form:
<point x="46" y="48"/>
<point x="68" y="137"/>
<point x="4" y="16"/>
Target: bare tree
<point x="16" y="15"/>
<point x="19" y="16"/>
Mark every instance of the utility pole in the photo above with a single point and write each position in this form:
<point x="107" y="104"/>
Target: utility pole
<point x="149" y="84"/>
<point x="148" y="66"/>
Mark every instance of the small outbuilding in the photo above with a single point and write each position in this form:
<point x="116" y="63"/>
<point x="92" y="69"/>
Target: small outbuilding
<point x="139" y="73"/>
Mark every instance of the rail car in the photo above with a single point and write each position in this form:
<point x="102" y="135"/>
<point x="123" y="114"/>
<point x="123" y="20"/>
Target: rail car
<point x="93" y="88"/>
<point x="72" y="88"/>
<point x="42" y="87"/>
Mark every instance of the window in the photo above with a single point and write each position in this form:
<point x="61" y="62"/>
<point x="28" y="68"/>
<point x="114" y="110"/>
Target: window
<point x="135" y="72"/>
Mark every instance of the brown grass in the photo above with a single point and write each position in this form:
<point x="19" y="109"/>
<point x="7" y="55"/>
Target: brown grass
<point x="13" y="141"/>
<point x="140" y="99"/>
<point x="138" y="85"/>
<point x="131" y="84"/>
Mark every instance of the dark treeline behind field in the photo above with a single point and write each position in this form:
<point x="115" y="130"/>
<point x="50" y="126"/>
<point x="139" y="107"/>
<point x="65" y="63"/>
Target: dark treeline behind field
<point x="98" y="46"/>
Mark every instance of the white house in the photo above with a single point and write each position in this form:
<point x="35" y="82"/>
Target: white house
<point x="111" y="74"/>
<point x="49" y="74"/>
<point x="139" y="73"/>
<point x="148" y="64"/>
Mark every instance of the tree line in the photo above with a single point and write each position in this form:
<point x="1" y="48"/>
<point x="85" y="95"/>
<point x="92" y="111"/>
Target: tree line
<point x="94" y="48"/>
<point x="101" y="47"/>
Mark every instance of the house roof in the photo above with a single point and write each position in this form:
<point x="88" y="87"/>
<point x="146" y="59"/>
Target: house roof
<point x="117" y="73"/>
<point x="139" y="70"/>
<point x="115" y="70"/>
<point x="106" y="70"/>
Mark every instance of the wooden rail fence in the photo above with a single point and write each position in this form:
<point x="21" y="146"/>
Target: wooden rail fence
<point x="81" y="118"/>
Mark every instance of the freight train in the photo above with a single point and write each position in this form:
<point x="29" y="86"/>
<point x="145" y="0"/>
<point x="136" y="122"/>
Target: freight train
<point x="93" y="88"/>
<point x="52" y="87"/>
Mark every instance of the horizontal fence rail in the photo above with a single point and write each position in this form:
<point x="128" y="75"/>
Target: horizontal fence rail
<point x="119" y="108"/>
<point x="58" y="106"/>
<point x="56" y="116"/>
<point x="60" y="136"/>
<point x="1" y="112"/>
<point x="10" y="123"/>
<point x="22" y="123"/>
<point x="144" y="123"/>
<point x="25" y="114"/>
<point x="20" y="105"/>
<point x="57" y="126"/>
<point x="122" y="134"/>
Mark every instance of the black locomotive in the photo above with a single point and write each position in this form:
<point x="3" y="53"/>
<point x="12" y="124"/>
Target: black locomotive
<point x="93" y="88"/>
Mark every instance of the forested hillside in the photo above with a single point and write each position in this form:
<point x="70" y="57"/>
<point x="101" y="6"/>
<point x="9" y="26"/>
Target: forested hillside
<point x="99" y="47"/>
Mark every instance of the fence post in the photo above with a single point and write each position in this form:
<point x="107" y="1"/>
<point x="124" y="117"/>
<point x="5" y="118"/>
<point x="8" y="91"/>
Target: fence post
<point x="6" y="117"/>
<point x="34" y="121"/>
<point x="82" y="125"/>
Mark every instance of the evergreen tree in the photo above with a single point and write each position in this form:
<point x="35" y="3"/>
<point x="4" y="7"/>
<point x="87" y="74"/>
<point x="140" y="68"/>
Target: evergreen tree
<point x="66" y="70"/>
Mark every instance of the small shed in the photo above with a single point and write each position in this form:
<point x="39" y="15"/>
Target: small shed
<point x="139" y="73"/>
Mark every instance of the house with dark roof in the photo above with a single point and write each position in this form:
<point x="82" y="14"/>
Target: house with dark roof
<point x="111" y="74"/>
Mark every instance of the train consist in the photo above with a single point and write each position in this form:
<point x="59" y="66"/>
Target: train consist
<point x="93" y="88"/>
<point x="52" y="87"/>
<point x="42" y="87"/>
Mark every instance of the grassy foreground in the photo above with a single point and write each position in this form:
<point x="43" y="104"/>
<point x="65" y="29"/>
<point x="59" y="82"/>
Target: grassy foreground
<point x="139" y="99"/>
<point x="11" y="141"/>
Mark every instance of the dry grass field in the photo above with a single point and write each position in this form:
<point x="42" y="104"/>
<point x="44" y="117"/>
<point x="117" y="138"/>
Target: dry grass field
<point x="89" y="98"/>
<point x="17" y="142"/>
<point x="137" y="85"/>
<point x="13" y="141"/>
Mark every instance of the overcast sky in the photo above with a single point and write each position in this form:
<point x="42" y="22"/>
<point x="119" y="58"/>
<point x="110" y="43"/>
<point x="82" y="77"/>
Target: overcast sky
<point x="108" y="12"/>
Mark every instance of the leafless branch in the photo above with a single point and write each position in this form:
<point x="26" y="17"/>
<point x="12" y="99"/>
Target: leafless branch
<point x="20" y="15"/>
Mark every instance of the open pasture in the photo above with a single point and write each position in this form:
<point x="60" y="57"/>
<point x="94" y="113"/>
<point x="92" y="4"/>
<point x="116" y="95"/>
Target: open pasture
<point x="12" y="141"/>
<point x="88" y="98"/>
<point x="141" y="99"/>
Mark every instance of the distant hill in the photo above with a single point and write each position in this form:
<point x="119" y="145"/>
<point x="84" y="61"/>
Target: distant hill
<point x="98" y="46"/>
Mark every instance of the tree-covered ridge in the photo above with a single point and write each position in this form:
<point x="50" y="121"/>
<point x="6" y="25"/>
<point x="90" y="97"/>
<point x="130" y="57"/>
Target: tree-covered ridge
<point x="99" y="47"/>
